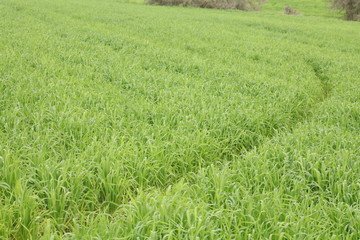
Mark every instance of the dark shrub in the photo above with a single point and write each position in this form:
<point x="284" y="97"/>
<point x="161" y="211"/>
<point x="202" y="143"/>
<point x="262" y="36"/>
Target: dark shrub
<point x="247" y="5"/>
<point x="290" y="11"/>
<point x="351" y="8"/>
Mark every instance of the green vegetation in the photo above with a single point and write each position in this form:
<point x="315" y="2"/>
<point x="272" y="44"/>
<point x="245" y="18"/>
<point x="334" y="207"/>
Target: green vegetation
<point x="318" y="8"/>
<point x="130" y="121"/>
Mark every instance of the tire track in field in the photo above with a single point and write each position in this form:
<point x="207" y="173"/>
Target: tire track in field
<point x="319" y="68"/>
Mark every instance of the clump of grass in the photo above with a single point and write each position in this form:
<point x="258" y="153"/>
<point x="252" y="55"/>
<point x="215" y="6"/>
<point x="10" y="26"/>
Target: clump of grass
<point x="246" y="5"/>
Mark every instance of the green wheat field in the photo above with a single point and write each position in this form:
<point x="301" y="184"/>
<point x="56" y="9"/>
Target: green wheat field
<point x="122" y="120"/>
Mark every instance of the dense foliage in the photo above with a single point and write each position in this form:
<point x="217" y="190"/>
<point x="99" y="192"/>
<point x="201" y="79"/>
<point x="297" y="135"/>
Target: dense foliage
<point x="351" y="8"/>
<point x="247" y="5"/>
<point x="131" y="121"/>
